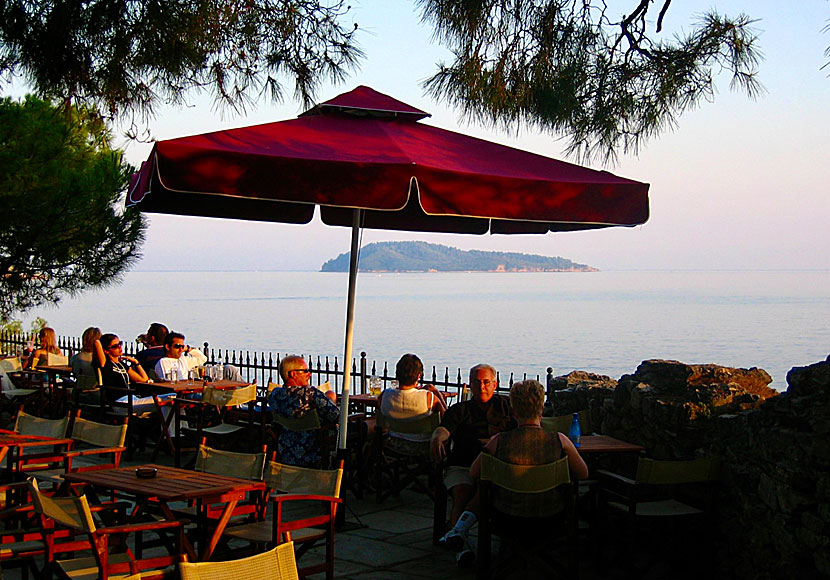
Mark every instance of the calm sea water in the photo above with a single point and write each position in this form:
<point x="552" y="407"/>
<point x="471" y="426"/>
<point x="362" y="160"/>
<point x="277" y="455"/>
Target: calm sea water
<point x="603" y="322"/>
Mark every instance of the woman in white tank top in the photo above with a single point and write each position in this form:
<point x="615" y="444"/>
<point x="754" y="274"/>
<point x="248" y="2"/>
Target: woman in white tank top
<point x="408" y="400"/>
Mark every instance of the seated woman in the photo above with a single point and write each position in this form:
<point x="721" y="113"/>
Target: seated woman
<point x="48" y="345"/>
<point x="528" y="444"/>
<point x="117" y="369"/>
<point x="409" y="400"/>
<point x="86" y="376"/>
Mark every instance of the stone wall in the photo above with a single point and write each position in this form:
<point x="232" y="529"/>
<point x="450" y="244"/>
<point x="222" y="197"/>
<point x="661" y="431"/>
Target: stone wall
<point x="775" y="512"/>
<point x="774" y="507"/>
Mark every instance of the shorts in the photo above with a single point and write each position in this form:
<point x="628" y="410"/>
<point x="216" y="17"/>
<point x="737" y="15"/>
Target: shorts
<point x="457" y="475"/>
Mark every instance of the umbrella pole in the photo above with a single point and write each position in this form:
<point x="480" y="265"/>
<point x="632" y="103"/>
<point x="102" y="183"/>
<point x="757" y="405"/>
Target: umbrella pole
<point x="347" y="357"/>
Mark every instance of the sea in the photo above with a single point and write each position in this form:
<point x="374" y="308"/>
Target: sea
<point x="521" y="323"/>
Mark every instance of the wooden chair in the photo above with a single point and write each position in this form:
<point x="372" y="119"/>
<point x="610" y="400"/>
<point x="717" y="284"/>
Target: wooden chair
<point x="96" y="446"/>
<point x="666" y="498"/>
<point x="400" y="463"/>
<point x="111" y="556"/>
<point x="220" y="431"/>
<point x="9" y="365"/>
<point x="31" y="387"/>
<point x="21" y="538"/>
<point x="101" y="445"/>
<point x="299" y="487"/>
<point x="275" y="564"/>
<point x="244" y="465"/>
<point x="562" y="423"/>
<point x="528" y="534"/>
<point x="40" y="458"/>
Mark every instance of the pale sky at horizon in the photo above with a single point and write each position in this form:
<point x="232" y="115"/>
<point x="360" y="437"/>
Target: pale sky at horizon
<point x="739" y="184"/>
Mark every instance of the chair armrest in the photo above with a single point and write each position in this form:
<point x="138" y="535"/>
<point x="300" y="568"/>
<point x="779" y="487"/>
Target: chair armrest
<point x="614" y="478"/>
<point x="97" y="451"/>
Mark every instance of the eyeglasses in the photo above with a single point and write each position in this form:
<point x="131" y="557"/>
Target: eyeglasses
<point x="306" y="371"/>
<point x="177" y="346"/>
<point x="115" y="345"/>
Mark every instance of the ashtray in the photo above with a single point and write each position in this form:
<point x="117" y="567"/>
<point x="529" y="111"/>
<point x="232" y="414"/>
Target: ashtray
<point x="146" y="472"/>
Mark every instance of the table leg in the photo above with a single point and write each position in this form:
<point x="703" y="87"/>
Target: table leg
<point x="186" y="545"/>
<point x="165" y="426"/>
<point x="223" y="520"/>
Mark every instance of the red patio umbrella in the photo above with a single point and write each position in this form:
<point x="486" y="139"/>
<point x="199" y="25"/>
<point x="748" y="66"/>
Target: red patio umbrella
<point x="364" y="158"/>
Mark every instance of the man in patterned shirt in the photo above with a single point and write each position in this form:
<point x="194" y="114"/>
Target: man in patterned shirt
<point x="294" y="399"/>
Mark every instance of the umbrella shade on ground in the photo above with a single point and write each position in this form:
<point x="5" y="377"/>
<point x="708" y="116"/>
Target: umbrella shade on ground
<point x="367" y="161"/>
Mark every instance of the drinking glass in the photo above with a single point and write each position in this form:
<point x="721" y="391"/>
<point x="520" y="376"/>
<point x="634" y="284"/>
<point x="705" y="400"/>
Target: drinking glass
<point x="375" y="385"/>
<point x="173" y="375"/>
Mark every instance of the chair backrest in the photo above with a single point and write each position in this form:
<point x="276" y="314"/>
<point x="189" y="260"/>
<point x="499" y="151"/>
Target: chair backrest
<point x="308" y="422"/>
<point x="56" y="359"/>
<point x="665" y="472"/>
<point x="276" y="564"/>
<point x="303" y="480"/>
<point x="525" y="478"/>
<point x="8" y="365"/>
<point x="99" y="434"/>
<point x="72" y="512"/>
<point x="423" y="424"/>
<point x="229" y="397"/>
<point x="26" y="424"/>
<point x="245" y="465"/>
<point x="562" y="423"/>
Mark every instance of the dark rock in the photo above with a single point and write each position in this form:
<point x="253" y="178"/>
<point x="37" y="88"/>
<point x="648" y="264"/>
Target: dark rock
<point x="813" y="380"/>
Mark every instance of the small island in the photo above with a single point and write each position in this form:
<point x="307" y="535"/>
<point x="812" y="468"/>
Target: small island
<point x="426" y="257"/>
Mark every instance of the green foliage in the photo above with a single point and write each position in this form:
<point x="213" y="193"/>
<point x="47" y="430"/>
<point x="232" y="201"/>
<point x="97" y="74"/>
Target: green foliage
<point x="127" y="55"/>
<point x="16" y="326"/>
<point x="569" y="68"/>
<point x="61" y="229"/>
<point x="422" y="256"/>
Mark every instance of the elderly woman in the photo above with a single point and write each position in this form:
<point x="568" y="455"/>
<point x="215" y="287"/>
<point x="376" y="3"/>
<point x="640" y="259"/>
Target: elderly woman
<point x="48" y="344"/>
<point x="527" y="444"/>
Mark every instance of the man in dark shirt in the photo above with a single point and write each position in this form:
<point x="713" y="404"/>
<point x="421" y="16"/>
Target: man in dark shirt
<point x="154" y="343"/>
<point x="469" y="425"/>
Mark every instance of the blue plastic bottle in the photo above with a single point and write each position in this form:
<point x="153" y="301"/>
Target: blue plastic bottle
<point x="575" y="434"/>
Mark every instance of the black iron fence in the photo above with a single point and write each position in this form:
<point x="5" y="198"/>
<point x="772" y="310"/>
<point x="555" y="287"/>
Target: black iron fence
<point x="263" y="367"/>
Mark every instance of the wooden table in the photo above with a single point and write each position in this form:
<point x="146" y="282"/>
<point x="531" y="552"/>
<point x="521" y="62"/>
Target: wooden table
<point x="187" y="387"/>
<point x="596" y="444"/>
<point x="16" y="443"/>
<point x="174" y="484"/>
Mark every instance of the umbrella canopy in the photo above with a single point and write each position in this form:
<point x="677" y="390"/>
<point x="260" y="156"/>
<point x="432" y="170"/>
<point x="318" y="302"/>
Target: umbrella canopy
<point x="366" y="160"/>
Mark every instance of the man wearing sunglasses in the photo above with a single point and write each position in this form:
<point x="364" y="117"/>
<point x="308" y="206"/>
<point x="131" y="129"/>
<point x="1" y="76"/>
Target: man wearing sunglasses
<point x="295" y="399"/>
<point x="178" y="358"/>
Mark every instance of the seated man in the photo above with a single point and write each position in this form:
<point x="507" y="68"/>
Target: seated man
<point x="469" y="425"/>
<point x="294" y="399"/>
<point x="178" y="358"/>
<point x="410" y="400"/>
<point x="154" y="343"/>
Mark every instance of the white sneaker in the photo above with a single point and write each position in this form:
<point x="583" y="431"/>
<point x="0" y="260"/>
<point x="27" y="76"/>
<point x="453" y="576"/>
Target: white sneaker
<point x="454" y="540"/>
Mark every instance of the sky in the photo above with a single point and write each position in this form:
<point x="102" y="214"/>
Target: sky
<point x="739" y="184"/>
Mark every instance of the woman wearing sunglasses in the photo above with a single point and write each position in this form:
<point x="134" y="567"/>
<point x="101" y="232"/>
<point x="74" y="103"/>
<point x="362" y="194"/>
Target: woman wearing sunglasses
<point x="117" y="369"/>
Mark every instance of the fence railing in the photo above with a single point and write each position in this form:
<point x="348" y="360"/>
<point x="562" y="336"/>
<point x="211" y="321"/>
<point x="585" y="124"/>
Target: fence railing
<point x="263" y="367"/>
